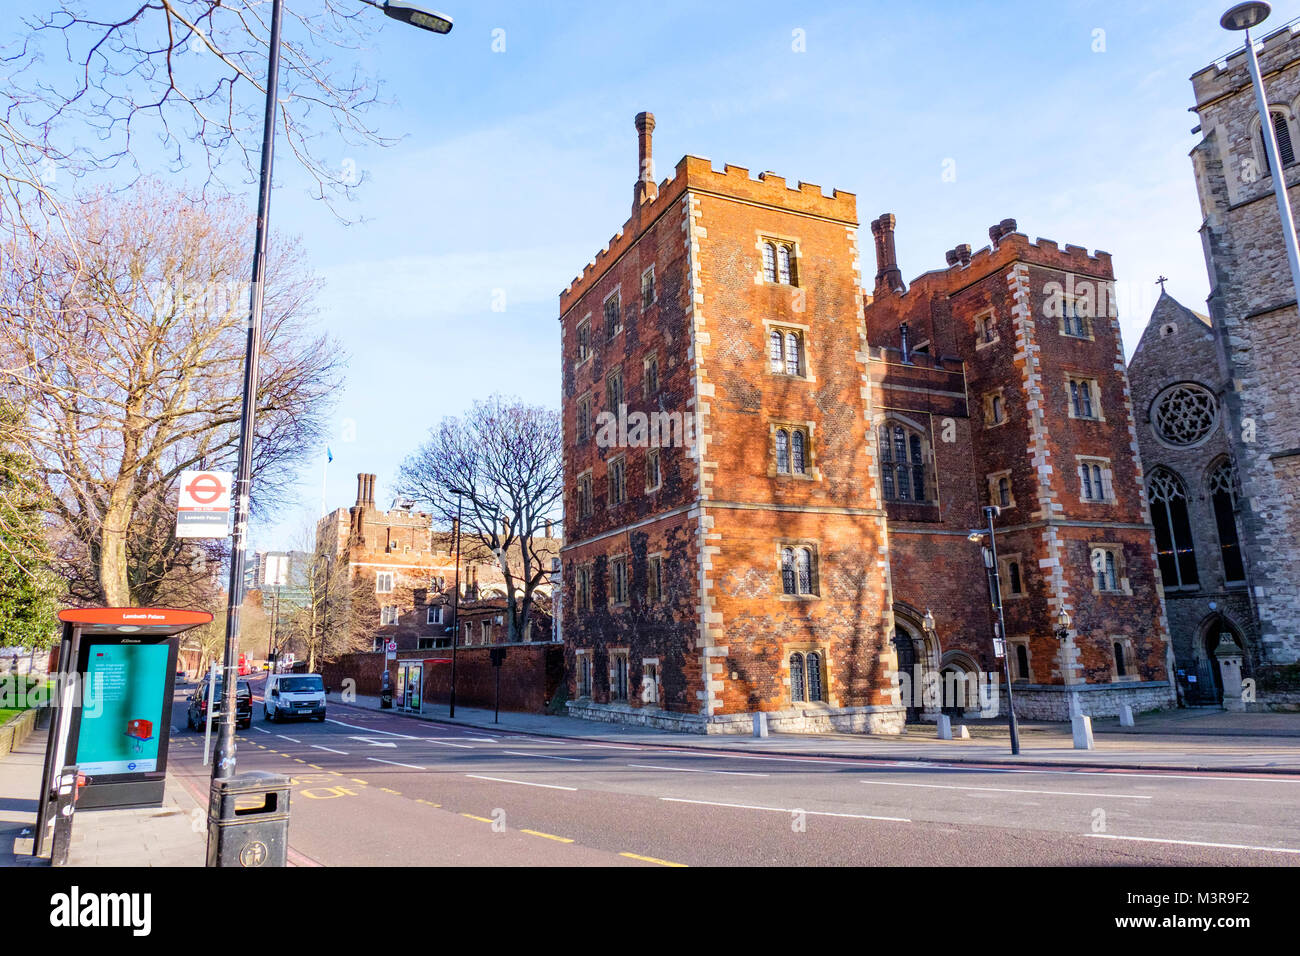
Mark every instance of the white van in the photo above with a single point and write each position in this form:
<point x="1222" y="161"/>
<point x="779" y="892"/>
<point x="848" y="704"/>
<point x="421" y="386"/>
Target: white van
<point x="293" y="695"/>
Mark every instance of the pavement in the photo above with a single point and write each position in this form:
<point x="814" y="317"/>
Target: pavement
<point x="1188" y="740"/>
<point x="174" y="834"/>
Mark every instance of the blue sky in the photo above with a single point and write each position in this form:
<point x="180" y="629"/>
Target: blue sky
<point x="516" y="167"/>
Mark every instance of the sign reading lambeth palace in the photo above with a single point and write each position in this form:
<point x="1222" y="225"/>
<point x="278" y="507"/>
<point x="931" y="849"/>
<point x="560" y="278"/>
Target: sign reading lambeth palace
<point x="203" y="509"/>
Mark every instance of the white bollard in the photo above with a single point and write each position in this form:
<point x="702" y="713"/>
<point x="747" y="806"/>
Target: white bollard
<point x="943" y="727"/>
<point x="1082" y="727"/>
<point x="760" y="724"/>
<point x="961" y="732"/>
<point x="1125" y="715"/>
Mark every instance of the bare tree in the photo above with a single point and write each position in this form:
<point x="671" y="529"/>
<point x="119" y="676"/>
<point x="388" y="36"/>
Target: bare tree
<point x="507" y="455"/>
<point x="190" y="75"/>
<point x="123" y="346"/>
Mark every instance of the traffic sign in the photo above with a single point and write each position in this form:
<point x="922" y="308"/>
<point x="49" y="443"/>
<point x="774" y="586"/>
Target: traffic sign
<point x="203" y="506"/>
<point x="392" y="645"/>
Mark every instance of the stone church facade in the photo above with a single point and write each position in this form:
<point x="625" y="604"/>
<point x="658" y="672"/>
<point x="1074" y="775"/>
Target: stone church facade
<point x="1255" y="322"/>
<point x="771" y="475"/>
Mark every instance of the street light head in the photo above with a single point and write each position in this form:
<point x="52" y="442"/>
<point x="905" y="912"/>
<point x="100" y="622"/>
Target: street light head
<point x="929" y="621"/>
<point x="1063" y="620"/>
<point x="993" y="510"/>
<point x="418" y="15"/>
<point x="457" y="491"/>
<point x="975" y="535"/>
<point x="1245" y="15"/>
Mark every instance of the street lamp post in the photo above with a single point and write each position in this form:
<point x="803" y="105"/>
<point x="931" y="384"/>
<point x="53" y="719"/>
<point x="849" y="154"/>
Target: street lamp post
<point x="455" y="602"/>
<point x="1063" y="634"/>
<point x="990" y="554"/>
<point x="1242" y="17"/>
<point x="416" y="14"/>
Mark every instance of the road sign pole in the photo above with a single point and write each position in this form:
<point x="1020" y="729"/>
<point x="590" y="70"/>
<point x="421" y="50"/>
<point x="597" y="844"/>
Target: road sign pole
<point x="224" y="764"/>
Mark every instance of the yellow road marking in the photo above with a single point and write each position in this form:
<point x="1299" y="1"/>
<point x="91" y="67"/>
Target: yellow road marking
<point x="386" y="790"/>
<point x="315" y="767"/>
<point x="650" y="859"/>
<point x="479" y="819"/>
<point x="360" y="781"/>
<point x="327" y="793"/>
<point x="299" y="760"/>
<point x="548" y="836"/>
<point x="426" y="802"/>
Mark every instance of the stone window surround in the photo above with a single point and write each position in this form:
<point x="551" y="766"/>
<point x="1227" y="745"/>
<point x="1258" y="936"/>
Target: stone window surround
<point x="994" y="496"/>
<point x="586" y="503"/>
<point x="1094" y="392"/>
<point x="615" y="655"/>
<point x="805" y="648"/>
<point x="582" y="595"/>
<point x="616" y="294"/>
<point x="653" y="357"/>
<point x="1107" y="479"/>
<point x="654" y="288"/>
<point x="1121" y="578"/>
<point x="1130" y="659"/>
<point x="990" y="317"/>
<point x="611" y="501"/>
<point x="802" y="331"/>
<point x="987" y="400"/>
<point x="796" y="256"/>
<point x="1256" y="137"/>
<point x="579" y="655"/>
<point x="646" y="663"/>
<point x="1014" y="660"/>
<point x="583" y="399"/>
<point x="810" y="472"/>
<point x="657" y="595"/>
<point x="381" y="577"/>
<point x="653" y="454"/>
<point x="1004" y="577"/>
<point x="814" y="570"/>
<point x="625" y="562"/>
<point x="583" y="359"/>
<point x="1069" y="298"/>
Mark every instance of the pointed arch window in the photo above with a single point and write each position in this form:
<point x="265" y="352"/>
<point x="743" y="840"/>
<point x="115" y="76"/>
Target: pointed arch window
<point x="1282" y="131"/>
<point x="1022" y="662"/>
<point x="1222" y="486"/>
<point x="782" y="451"/>
<point x="1174" y="546"/>
<point x="769" y="262"/>
<point x="798" y="570"/>
<point x="775" y="356"/>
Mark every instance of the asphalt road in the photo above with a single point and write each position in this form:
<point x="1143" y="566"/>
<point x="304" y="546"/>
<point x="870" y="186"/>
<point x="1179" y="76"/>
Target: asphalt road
<point x="371" y="788"/>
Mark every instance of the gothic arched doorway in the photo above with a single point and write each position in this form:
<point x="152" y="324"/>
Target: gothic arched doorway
<point x="908" y="673"/>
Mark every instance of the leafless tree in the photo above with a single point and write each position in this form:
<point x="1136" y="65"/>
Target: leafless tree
<point x="507" y="455"/>
<point x="123" y="346"/>
<point x="190" y="75"/>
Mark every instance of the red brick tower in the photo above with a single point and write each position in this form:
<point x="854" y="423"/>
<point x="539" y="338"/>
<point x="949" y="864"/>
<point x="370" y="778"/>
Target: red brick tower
<point x="726" y="541"/>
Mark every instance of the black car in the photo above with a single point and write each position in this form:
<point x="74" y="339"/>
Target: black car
<point x="196" y="714"/>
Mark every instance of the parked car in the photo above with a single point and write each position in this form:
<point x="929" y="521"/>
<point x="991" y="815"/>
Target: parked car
<point x="196" y="714"/>
<point x="293" y="695"/>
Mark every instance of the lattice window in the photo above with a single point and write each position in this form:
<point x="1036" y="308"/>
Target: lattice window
<point x="1184" y="415"/>
<point x="1175" y="550"/>
<point x="1222" y="487"/>
<point x="813" y="665"/>
<point x="902" y="463"/>
<point x="796" y="677"/>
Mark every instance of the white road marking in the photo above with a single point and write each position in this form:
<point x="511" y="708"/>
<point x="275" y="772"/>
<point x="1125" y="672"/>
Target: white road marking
<point x="1221" y="846"/>
<point x="375" y="743"/>
<point x="1048" y="793"/>
<point x="371" y="730"/>
<point x="811" y="813"/>
<point x="395" y="763"/>
<point x="1254" y="778"/>
<point x="729" y="773"/>
<point x="522" y="783"/>
<point x="293" y="739"/>
<point x="261" y="730"/>
<point x="519" y="753"/>
<point x="483" y="740"/>
<point x="330" y="749"/>
<point x="448" y="743"/>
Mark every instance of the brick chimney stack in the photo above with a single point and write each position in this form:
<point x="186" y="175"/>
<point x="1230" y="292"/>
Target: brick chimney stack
<point x="1003" y="229"/>
<point x="888" y="275"/>
<point x="645" y="188"/>
<point x="365" y="490"/>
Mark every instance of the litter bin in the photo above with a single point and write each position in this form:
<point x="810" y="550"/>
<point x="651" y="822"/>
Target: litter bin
<point x="248" y="820"/>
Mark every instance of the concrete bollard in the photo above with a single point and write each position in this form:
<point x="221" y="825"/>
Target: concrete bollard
<point x="1081" y="725"/>
<point x="760" y="724"/>
<point x="943" y="727"/>
<point x="1125" y="715"/>
<point x="961" y="732"/>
